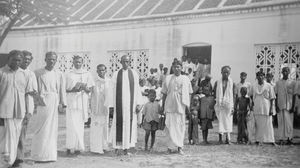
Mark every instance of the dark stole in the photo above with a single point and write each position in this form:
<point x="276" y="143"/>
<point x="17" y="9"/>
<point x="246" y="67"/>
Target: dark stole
<point x="119" y="109"/>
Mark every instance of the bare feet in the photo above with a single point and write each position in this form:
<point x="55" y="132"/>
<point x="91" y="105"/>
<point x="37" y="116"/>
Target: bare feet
<point x="180" y="151"/>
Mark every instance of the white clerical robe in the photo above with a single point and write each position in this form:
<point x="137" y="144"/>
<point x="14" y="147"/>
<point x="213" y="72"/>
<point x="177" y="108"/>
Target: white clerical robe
<point x="77" y="108"/>
<point x="14" y="84"/>
<point x="51" y="89"/>
<point x="178" y="90"/>
<point x="100" y="101"/>
<point x="127" y="141"/>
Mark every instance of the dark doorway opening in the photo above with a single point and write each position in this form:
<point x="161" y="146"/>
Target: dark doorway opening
<point x="198" y="51"/>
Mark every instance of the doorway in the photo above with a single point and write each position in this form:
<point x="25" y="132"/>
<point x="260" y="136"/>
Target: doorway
<point x="198" y="52"/>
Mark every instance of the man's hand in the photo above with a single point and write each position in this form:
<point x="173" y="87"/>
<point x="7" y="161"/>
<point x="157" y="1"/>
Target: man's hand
<point x="26" y="118"/>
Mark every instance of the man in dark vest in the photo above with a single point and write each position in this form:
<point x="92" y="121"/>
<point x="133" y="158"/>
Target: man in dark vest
<point x="126" y="100"/>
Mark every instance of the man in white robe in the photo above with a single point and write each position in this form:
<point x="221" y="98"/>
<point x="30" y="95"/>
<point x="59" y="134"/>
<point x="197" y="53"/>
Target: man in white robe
<point x="27" y="59"/>
<point x="126" y="99"/>
<point x="176" y="92"/>
<point x="262" y="94"/>
<point x="14" y="88"/>
<point x="100" y="102"/>
<point x="51" y="94"/>
<point x="224" y="94"/>
<point x="79" y="83"/>
<point x="285" y="90"/>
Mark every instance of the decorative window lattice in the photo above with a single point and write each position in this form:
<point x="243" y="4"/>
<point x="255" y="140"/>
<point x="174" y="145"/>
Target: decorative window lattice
<point x="272" y="58"/>
<point x="139" y="61"/>
<point x="289" y="56"/>
<point x="65" y="60"/>
<point x="265" y="59"/>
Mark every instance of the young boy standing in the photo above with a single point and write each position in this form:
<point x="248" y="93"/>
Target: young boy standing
<point x="150" y="113"/>
<point x="194" y="120"/>
<point x="242" y="107"/>
<point x="206" y="114"/>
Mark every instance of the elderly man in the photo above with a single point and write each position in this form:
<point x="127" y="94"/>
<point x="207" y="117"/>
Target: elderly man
<point x="27" y="58"/>
<point x="176" y="92"/>
<point x="100" y="101"/>
<point x="126" y="100"/>
<point x="224" y="94"/>
<point x="79" y="83"/>
<point x="51" y="94"/>
<point x="14" y="88"/>
<point x="285" y="90"/>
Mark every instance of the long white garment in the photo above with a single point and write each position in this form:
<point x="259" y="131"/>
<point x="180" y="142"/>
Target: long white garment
<point x="10" y="133"/>
<point x="285" y="89"/>
<point x="262" y="95"/>
<point x="126" y="144"/>
<point x="52" y="90"/>
<point x="77" y="108"/>
<point x="14" y="84"/>
<point x="100" y="101"/>
<point x="224" y="106"/>
<point x="178" y="90"/>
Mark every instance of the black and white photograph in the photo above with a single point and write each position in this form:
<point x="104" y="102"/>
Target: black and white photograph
<point x="149" y="83"/>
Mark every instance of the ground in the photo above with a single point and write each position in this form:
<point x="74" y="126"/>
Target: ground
<point x="213" y="155"/>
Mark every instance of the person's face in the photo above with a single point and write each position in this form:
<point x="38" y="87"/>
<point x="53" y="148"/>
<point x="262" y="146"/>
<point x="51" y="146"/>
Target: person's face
<point x="152" y="97"/>
<point x="243" y="92"/>
<point x="165" y="70"/>
<point x="206" y="90"/>
<point x="285" y="72"/>
<point x="225" y="73"/>
<point x="177" y="69"/>
<point x="243" y="77"/>
<point x="51" y="60"/>
<point x="77" y="62"/>
<point x="190" y="71"/>
<point x="26" y="61"/>
<point x="260" y="78"/>
<point x="269" y="78"/>
<point x="125" y="62"/>
<point x="161" y="66"/>
<point x="189" y="60"/>
<point x="15" y="61"/>
<point x="101" y="71"/>
<point x="195" y="100"/>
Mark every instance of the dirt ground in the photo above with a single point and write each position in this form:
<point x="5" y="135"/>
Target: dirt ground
<point x="213" y="155"/>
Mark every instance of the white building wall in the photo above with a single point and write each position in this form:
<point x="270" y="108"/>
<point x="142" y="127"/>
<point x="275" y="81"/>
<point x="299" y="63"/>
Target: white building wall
<point x="232" y="38"/>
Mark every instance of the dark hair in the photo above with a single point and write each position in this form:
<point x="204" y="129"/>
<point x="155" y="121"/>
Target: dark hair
<point x="243" y="74"/>
<point x="101" y="65"/>
<point x="50" y="53"/>
<point x="244" y="89"/>
<point x="26" y="53"/>
<point x="14" y="53"/>
<point x="270" y="74"/>
<point x="226" y="66"/>
<point x="77" y="57"/>
<point x="152" y="91"/>
<point x="177" y="63"/>
<point x="286" y="68"/>
<point x="260" y="73"/>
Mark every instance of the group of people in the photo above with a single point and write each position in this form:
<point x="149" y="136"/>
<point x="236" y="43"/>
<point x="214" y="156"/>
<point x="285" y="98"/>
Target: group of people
<point x="122" y="103"/>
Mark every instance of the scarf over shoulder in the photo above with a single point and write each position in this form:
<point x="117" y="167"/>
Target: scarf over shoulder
<point x="226" y="100"/>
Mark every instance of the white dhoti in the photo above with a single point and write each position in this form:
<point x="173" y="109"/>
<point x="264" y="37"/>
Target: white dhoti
<point x="225" y="120"/>
<point x="285" y="124"/>
<point x="44" y="140"/>
<point x="74" y="130"/>
<point x="251" y="127"/>
<point x="175" y="129"/>
<point x="9" y="139"/>
<point x="264" y="128"/>
<point x="99" y="133"/>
